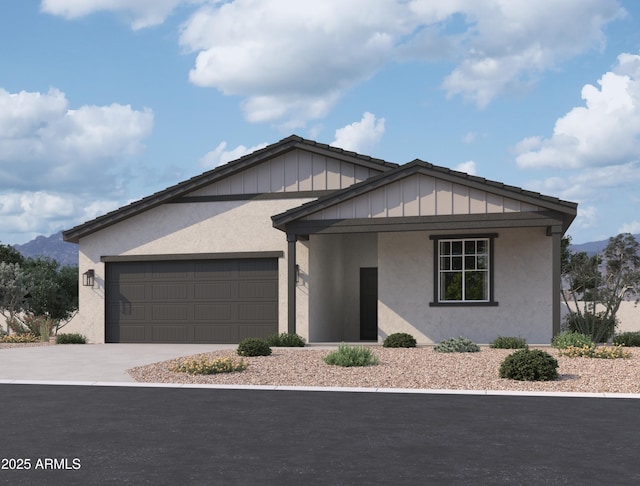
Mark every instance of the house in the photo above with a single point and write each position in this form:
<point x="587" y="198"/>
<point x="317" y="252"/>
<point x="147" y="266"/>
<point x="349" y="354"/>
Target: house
<point x="330" y="244"/>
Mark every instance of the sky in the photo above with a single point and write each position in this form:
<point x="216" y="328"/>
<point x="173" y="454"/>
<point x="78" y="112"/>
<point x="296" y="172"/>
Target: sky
<point x="103" y="102"/>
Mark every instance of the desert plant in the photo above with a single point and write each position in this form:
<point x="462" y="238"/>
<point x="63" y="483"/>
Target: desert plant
<point x="506" y="342"/>
<point x="71" y="338"/>
<point x="456" y="345"/>
<point x="592" y="324"/>
<point x="286" y="339"/>
<point x="529" y="365"/>
<point x="253" y="347"/>
<point x="399" y="340"/>
<point x="205" y="365"/>
<point x="593" y="351"/>
<point x="570" y="338"/>
<point x="351" y="356"/>
<point x="20" y="338"/>
<point x="629" y="339"/>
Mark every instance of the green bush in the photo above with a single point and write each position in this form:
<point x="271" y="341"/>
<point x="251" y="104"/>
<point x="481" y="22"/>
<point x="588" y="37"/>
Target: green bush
<point x="19" y="338"/>
<point x="529" y="365"/>
<point x="629" y="339"/>
<point x="595" y="325"/>
<point x="399" y="340"/>
<point x="351" y="356"/>
<point x="285" y="339"/>
<point x="254" y="347"/>
<point x="72" y="338"/>
<point x="456" y="345"/>
<point x="505" y="342"/>
<point x="204" y="365"/>
<point x="571" y="338"/>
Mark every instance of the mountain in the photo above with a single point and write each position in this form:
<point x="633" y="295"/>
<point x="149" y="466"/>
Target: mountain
<point x="593" y="247"/>
<point x="66" y="254"/>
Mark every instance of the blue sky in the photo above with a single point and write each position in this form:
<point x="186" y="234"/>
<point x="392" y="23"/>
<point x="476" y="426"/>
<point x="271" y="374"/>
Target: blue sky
<point x="103" y="102"/>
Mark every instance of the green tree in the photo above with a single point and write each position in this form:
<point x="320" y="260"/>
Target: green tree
<point x="585" y="284"/>
<point x="15" y="286"/>
<point x="54" y="292"/>
<point x="8" y="254"/>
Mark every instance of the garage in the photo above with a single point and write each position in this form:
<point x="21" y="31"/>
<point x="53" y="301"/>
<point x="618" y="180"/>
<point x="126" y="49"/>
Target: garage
<point x="191" y="301"/>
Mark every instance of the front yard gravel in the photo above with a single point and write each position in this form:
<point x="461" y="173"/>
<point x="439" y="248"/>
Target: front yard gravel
<point x="413" y="368"/>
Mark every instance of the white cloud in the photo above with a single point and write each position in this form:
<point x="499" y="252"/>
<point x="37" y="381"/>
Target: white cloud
<point x="360" y="136"/>
<point x="44" y="143"/>
<point x="291" y="61"/>
<point x="509" y="42"/>
<point x="31" y="213"/>
<point x="633" y="227"/>
<point x="470" y="137"/>
<point x="468" y="167"/>
<point x="62" y="157"/>
<point x="219" y="155"/>
<point x="604" y="132"/>
<point x="141" y="13"/>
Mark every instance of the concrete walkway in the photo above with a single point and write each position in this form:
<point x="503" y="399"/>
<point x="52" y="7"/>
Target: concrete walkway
<point x="90" y="362"/>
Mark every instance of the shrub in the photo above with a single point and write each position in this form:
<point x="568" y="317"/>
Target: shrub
<point x="629" y="339"/>
<point x="204" y="365"/>
<point x="351" y="356"/>
<point x="596" y="326"/>
<point x="456" y="345"/>
<point x="20" y="338"/>
<point x="593" y="351"/>
<point x="502" y="342"/>
<point x="570" y="338"/>
<point x="399" y="340"/>
<point x="71" y="338"/>
<point x="253" y="347"/>
<point x="529" y="365"/>
<point x="285" y="339"/>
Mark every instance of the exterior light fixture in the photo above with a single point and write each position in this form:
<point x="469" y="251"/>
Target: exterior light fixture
<point x="297" y="273"/>
<point x="88" y="278"/>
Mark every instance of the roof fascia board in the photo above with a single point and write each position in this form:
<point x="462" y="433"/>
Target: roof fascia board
<point x="425" y="223"/>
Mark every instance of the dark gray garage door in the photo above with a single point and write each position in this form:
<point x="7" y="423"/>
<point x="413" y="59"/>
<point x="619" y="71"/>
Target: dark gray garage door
<point x="191" y="301"/>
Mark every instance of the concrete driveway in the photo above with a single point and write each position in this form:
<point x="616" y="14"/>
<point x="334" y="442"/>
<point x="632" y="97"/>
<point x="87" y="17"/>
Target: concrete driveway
<point x="90" y="362"/>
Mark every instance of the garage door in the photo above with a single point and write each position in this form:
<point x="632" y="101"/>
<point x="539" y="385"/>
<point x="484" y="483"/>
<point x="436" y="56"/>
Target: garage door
<point x="191" y="301"/>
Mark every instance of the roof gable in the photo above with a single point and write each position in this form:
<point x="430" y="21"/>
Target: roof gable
<point x="422" y="189"/>
<point x="292" y="164"/>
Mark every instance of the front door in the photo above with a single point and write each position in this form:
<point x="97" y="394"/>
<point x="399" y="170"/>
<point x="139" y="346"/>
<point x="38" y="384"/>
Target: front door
<point x="368" y="304"/>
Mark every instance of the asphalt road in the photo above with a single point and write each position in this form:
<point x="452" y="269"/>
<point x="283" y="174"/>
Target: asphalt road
<point x="90" y="435"/>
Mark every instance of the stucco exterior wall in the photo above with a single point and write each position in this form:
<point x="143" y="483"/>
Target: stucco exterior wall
<point x="523" y="290"/>
<point x="334" y="284"/>
<point x="213" y="227"/>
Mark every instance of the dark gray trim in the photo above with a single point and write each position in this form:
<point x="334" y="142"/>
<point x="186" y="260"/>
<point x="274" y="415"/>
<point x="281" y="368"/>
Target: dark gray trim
<point x="465" y="222"/>
<point x="252" y="197"/>
<point x="436" y="271"/>
<point x="192" y="256"/>
<point x="291" y="284"/>
<point x="556" y="287"/>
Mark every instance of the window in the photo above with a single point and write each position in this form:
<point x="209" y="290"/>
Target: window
<point x="463" y="269"/>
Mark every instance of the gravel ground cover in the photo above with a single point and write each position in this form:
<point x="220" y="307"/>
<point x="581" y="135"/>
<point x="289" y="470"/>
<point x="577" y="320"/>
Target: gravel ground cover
<point x="411" y="368"/>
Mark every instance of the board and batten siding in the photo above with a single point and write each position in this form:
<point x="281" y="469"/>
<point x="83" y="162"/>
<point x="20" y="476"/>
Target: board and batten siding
<point x="421" y="195"/>
<point x="292" y="172"/>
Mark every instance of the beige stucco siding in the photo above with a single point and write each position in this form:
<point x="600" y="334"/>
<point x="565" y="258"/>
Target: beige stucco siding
<point x="523" y="290"/>
<point x="292" y="172"/>
<point x="214" y="227"/>
<point x="421" y="195"/>
<point x="334" y="285"/>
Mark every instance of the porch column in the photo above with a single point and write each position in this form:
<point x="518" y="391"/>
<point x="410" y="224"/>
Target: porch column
<point x="556" y="234"/>
<point x="291" y="283"/>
